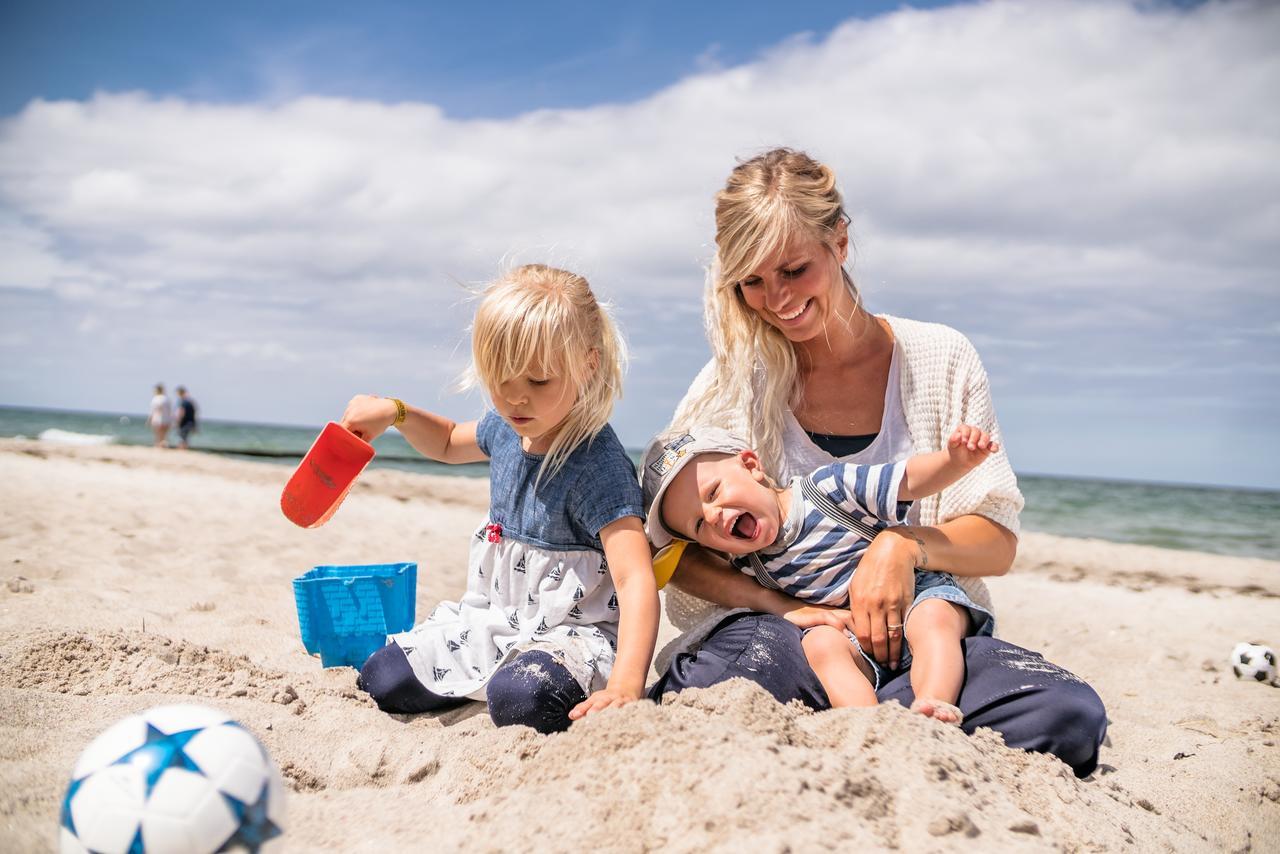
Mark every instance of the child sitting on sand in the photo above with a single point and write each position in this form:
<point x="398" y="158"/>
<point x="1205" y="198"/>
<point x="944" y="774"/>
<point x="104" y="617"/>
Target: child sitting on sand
<point x="560" y="573"/>
<point x="805" y="539"/>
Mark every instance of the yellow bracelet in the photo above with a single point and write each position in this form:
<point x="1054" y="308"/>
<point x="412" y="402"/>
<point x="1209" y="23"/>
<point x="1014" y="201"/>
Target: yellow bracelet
<point x="400" y="411"/>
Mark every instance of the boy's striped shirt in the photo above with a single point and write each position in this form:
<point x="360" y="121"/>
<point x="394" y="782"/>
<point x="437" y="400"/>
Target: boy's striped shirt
<point x="816" y="555"/>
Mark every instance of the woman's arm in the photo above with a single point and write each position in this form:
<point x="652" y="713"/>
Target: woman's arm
<point x="971" y="546"/>
<point x="627" y="551"/>
<point x="432" y="435"/>
<point x="884" y="585"/>
<point x="706" y="575"/>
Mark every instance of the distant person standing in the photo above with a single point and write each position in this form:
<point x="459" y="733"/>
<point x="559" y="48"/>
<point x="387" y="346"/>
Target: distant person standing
<point x="185" y="412"/>
<point x="161" y="417"/>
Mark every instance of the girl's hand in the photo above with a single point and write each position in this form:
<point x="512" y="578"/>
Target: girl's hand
<point x="605" y="698"/>
<point x="368" y="416"/>
<point x="809" y="616"/>
<point x="881" y="592"/>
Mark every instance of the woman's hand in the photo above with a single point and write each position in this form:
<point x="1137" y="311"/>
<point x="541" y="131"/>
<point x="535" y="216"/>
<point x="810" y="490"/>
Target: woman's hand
<point x="368" y="416"/>
<point x="881" y="592"/>
<point x="808" y="616"/>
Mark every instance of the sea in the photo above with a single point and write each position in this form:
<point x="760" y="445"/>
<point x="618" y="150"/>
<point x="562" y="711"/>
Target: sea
<point x="1215" y="519"/>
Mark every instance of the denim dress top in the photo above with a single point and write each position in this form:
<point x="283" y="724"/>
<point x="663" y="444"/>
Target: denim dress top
<point x="537" y="577"/>
<point x="596" y="485"/>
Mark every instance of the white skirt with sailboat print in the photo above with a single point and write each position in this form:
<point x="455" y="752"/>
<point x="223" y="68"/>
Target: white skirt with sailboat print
<point x="519" y="597"/>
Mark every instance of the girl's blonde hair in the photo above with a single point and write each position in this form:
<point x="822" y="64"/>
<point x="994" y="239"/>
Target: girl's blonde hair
<point x="538" y="319"/>
<point x="767" y="202"/>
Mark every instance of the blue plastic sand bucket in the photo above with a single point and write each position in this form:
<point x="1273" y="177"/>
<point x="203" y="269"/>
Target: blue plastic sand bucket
<point x="346" y="612"/>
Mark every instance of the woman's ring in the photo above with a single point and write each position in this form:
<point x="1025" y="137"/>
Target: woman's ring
<point x="898" y="626"/>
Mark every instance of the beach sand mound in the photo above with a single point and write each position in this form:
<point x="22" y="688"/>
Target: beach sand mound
<point x="707" y="770"/>
<point x="713" y="768"/>
<point x="125" y="662"/>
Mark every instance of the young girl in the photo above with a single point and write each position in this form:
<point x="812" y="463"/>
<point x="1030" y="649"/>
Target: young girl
<point x="560" y="574"/>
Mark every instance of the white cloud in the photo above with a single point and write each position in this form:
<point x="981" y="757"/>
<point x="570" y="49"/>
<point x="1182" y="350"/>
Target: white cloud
<point x="1123" y="161"/>
<point x="241" y="349"/>
<point x="29" y="259"/>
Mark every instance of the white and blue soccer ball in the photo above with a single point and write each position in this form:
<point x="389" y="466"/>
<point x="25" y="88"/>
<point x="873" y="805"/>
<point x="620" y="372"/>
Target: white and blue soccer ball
<point x="1254" y="661"/>
<point x="182" y="778"/>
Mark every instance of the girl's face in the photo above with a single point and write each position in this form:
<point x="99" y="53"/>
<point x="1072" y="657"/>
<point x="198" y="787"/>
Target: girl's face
<point x="800" y="288"/>
<point x="535" y="405"/>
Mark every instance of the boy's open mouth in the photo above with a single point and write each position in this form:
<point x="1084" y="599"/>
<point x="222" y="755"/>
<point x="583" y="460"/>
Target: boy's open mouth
<point x="744" y="527"/>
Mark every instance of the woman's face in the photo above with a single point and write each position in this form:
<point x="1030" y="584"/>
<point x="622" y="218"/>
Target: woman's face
<point x="799" y="288"/>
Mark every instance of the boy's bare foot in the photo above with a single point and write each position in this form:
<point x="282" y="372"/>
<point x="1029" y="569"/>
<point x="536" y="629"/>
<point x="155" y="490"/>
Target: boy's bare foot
<point x="940" y="711"/>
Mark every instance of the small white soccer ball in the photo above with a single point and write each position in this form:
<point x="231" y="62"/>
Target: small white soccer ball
<point x="182" y="778"/>
<point x="1254" y="661"/>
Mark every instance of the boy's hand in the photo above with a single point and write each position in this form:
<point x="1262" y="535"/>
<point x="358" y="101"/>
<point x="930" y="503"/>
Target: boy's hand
<point x="969" y="446"/>
<point x="605" y="698"/>
<point x="809" y="616"/>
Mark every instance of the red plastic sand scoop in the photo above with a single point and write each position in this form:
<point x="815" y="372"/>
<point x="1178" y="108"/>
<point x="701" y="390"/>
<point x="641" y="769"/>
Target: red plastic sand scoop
<point x="325" y="475"/>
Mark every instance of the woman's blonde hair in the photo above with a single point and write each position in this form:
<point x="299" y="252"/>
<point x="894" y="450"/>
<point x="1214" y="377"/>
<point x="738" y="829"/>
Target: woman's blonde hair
<point x="538" y="319"/>
<point x="767" y="202"/>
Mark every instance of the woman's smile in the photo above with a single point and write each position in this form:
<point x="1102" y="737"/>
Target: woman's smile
<point x="794" y="314"/>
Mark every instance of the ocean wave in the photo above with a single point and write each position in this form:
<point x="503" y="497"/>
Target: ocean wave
<point x="66" y="437"/>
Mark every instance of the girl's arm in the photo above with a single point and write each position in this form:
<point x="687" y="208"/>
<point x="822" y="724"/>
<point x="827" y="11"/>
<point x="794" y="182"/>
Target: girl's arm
<point x="627" y="551"/>
<point x="706" y="575"/>
<point x="434" y="436"/>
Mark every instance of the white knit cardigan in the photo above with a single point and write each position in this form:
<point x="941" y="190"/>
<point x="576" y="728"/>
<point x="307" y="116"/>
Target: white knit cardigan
<point x="942" y="384"/>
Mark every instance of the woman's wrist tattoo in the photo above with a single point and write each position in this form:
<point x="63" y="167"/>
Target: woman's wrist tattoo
<point x="923" y="562"/>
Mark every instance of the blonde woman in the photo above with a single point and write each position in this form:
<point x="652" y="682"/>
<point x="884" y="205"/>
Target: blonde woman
<point x="808" y="376"/>
<point x="548" y="630"/>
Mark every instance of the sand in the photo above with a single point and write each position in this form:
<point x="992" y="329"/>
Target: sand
<point x="131" y="577"/>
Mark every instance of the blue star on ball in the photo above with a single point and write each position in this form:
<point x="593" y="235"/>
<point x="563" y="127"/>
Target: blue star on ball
<point x="256" y="828"/>
<point x="159" y="753"/>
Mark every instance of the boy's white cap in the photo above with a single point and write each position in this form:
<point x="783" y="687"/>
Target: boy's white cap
<point x="663" y="460"/>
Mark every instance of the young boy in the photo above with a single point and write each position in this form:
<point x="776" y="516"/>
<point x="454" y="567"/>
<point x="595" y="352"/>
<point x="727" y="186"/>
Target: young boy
<point x="805" y="539"/>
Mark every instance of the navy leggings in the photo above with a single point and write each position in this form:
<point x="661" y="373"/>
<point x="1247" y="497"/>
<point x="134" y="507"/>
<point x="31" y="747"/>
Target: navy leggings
<point x="532" y="689"/>
<point x="1035" y="705"/>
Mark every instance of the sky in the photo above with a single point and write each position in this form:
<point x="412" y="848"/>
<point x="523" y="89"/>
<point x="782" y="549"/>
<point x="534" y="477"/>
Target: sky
<point x="282" y="205"/>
